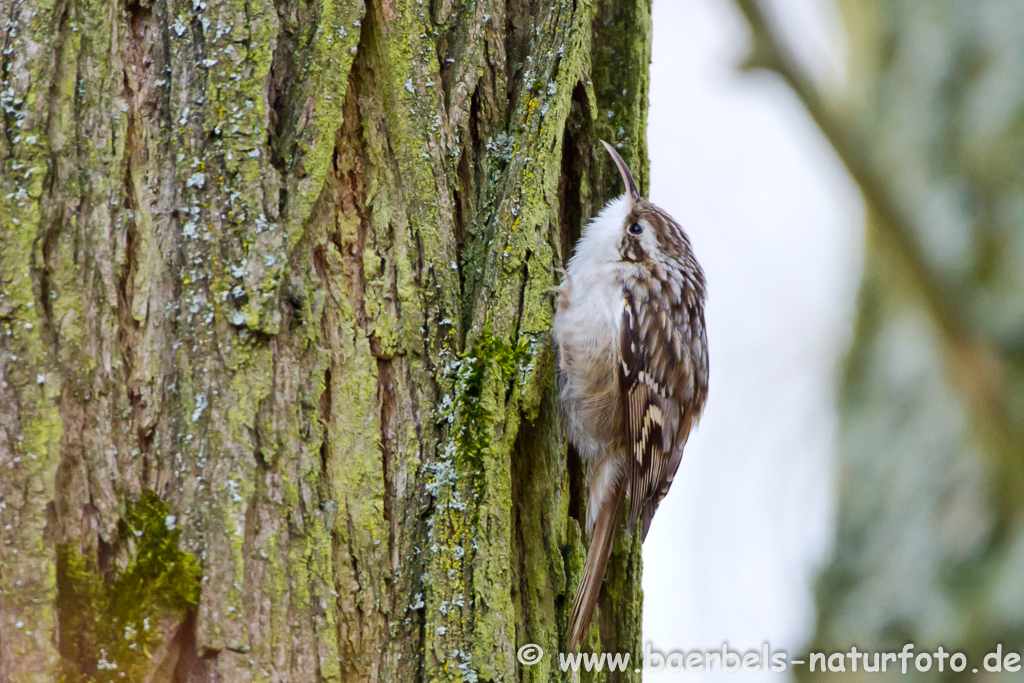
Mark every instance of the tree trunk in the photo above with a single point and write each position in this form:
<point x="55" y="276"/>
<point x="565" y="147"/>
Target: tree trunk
<point x="276" y="396"/>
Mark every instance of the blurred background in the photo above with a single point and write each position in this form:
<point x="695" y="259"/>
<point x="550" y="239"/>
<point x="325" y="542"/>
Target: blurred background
<point x="852" y="176"/>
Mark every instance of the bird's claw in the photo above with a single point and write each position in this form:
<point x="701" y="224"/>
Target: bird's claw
<point x="563" y="290"/>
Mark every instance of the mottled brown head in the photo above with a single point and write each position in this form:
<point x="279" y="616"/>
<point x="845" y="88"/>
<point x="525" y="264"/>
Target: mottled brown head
<point x="650" y="238"/>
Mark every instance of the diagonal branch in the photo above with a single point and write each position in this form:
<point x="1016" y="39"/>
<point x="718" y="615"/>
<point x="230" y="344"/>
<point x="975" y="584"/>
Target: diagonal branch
<point x="973" y="364"/>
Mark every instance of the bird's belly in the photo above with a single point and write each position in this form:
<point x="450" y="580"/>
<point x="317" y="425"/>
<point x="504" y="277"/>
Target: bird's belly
<point x="587" y="336"/>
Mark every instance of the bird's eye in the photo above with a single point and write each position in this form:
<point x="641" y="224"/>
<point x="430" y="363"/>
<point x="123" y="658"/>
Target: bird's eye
<point x="636" y="229"/>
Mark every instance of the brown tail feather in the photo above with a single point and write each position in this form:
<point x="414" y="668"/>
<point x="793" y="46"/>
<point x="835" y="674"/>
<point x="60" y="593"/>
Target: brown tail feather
<point x="593" y="569"/>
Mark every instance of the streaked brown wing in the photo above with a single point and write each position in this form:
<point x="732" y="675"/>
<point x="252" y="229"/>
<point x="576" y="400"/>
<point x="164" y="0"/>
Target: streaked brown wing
<point x="663" y="387"/>
<point x="644" y="410"/>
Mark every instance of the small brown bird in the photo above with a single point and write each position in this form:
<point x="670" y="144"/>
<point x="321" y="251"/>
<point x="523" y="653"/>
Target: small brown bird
<point x="633" y="368"/>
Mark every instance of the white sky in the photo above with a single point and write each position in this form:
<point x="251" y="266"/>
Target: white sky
<point x="778" y="226"/>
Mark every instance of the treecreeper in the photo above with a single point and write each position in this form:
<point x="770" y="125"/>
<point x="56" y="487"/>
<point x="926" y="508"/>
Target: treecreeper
<point x="632" y="368"/>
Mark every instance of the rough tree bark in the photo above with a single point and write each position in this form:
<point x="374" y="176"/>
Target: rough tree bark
<point x="276" y="390"/>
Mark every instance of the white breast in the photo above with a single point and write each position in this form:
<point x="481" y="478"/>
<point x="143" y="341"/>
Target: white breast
<point x="590" y="319"/>
<point x="587" y="332"/>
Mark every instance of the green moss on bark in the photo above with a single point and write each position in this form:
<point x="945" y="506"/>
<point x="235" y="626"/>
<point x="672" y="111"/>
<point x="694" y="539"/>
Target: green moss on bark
<point x="112" y="617"/>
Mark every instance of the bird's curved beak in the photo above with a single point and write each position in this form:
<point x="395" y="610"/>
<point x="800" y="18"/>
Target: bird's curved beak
<point x="627" y="177"/>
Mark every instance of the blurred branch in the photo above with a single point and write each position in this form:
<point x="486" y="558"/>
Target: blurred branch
<point x="974" y="366"/>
